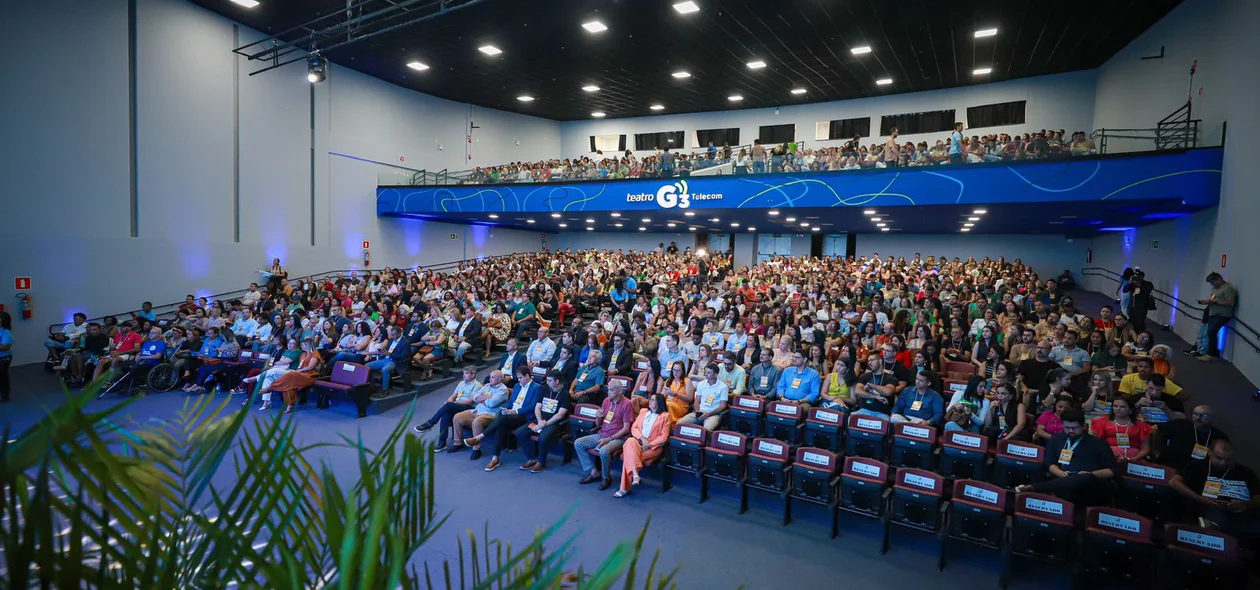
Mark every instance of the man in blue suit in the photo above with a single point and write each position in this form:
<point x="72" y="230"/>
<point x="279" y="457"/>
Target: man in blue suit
<point x="517" y="413"/>
<point x="397" y="354"/>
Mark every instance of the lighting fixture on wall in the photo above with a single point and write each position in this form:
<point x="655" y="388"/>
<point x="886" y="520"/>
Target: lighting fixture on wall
<point x="316" y="69"/>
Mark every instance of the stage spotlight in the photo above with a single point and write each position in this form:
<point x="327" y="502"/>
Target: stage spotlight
<point x="316" y="69"/>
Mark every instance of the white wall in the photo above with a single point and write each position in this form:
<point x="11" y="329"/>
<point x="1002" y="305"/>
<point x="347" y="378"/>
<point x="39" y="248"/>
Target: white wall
<point x="1060" y="101"/>
<point x="1219" y="34"/>
<point x="643" y="242"/>
<point x="1048" y="255"/>
<point x="67" y="216"/>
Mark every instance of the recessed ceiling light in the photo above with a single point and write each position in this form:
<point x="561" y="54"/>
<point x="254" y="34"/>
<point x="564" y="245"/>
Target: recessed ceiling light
<point x="1069" y="217"/>
<point x="529" y="221"/>
<point x="869" y="212"/>
<point x="790" y="219"/>
<point x="418" y="66"/>
<point x="981" y="71"/>
<point x="881" y="225"/>
<point x="883" y="229"/>
<point x="798" y="91"/>
<point x="973" y="219"/>
<point x="863" y="50"/>
<point x="590" y="229"/>
<point x="692" y="228"/>
<point x="671" y="224"/>
<point x="641" y="228"/>
<point x="734" y="224"/>
<point x="969" y="225"/>
<point x="884" y="81"/>
<point x="589" y="220"/>
<point x="246" y="3"/>
<point x="615" y="214"/>
<point x="564" y="225"/>
<point x="681" y="75"/>
<point x="591" y="88"/>
<point x="646" y="220"/>
<point x="686" y="7"/>
<point x="756" y="65"/>
<point x="594" y="26"/>
<point x="750" y="228"/>
<point x="804" y="224"/>
<point x="815" y="228"/>
<point x="979" y="211"/>
<point x="689" y="213"/>
<point x="657" y="107"/>
<point x="985" y="33"/>
<point x="525" y="98"/>
<point x="618" y="225"/>
<point x="599" y="114"/>
<point x="965" y="229"/>
<point x="493" y="216"/>
<point x="556" y="215"/>
<point x="773" y="213"/>
<point x="489" y="50"/>
<point x="735" y="98"/>
<point x="874" y="219"/>
<point x="1056" y="223"/>
<point x="715" y="219"/>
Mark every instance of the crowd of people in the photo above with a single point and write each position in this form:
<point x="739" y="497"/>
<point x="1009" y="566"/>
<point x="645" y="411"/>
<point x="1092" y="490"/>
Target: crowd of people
<point x="792" y="156"/>
<point x="665" y="337"/>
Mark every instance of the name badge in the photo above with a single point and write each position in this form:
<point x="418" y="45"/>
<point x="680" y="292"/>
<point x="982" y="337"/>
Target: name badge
<point x="1023" y="357"/>
<point x="608" y="417"/>
<point x="1067" y="360"/>
<point x="1211" y="489"/>
<point x="914" y="407"/>
<point x="796" y="383"/>
<point x="1199" y="452"/>
<point x="549" y="405"/>
<point x="1065" y="457"/>
<point x="1122" y="440"/>
<point x="707" y="400"/>
<point x="765" y="381"/>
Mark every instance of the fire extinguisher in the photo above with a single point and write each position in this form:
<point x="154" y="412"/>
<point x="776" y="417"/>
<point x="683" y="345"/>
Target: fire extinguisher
<point x="367" y="258"/>
<point x="25" y="305"/>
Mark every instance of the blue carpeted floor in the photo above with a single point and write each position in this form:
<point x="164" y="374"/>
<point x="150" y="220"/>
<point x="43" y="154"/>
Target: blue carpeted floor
<point x="709" y="543"/>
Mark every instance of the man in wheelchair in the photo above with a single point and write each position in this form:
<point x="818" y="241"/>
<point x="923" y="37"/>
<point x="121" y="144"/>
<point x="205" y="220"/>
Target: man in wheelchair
<point x="135" y="371"/>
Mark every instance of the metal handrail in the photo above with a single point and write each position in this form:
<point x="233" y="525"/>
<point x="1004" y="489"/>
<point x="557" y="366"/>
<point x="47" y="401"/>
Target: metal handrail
<point x="169" y="309"/>
<point x="1171" y="300"/>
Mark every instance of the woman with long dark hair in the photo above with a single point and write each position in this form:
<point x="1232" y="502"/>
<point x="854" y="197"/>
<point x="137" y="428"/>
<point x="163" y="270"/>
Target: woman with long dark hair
<point x="1007" y="420"/>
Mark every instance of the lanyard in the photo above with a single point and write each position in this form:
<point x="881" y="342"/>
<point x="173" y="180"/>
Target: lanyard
<point x="1069" y="445"/>
<point x="1196" y="437"/>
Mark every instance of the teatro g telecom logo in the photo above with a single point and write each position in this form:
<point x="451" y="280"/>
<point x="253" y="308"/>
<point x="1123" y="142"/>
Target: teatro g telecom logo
<point x="674" y="195"/>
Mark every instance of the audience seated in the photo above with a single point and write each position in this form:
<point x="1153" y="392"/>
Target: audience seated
<point x="648" y="437"/>
<point x="613" y="426"/>
<point x="550" y="417"/>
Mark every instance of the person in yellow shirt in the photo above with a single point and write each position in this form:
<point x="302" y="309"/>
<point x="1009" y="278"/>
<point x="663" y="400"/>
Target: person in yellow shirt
<point x="1135" y="383"/>
<point x="838" y="388"/>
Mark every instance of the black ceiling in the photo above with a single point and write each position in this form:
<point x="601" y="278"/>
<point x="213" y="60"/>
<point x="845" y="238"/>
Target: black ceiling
<point x="920" y="45"/>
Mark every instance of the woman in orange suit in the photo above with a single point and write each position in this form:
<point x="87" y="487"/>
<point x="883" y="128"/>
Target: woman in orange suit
<point x="648" y="437"/>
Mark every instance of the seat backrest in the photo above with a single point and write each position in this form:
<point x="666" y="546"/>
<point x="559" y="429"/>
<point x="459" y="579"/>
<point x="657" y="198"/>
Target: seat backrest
<point x="692" y="433"/>
<point x="642" y="364"/>
<point x="1118" y="523"/>
<point x="957" y="367"/>
<point x="825" y="416"/>
<point x="866" y="469"/>
<point x="719" y="356"/>
<point x="729" y="441"/>
<point x="538" y="372"/>
<point x="953" y="386"/>
<point x="980" y="494"/>
<point x="626" y="382"/>
<point x="351" y="374"/>
<point x="262" y="357"/>
<point x="771" y="449"/>
<point x="245" y="356"/>
<point x="748" y="403"/>
<point x="1209" y="543"/>
<point x="586" y="412"/>
<point x="868" y="424"/>
<point x="917" y="432"/>
<point x="1147" y="473"/>
<point x="966" y="441"/>
<point x="785" y="409"/>
<point x="817" y="459"/>
<point x="1045" y="508"/>
<point x="1021" y="451"/>
<point x="920" y="481"/>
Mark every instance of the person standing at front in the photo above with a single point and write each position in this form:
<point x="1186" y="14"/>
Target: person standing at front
<point x="1220" y="310"/>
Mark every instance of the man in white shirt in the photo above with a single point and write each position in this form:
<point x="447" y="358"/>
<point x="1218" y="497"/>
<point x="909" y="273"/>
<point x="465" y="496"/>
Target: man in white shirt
<point x="68" y="337"/>
<point x="691" y="348"/>
<point x="733" y="376"/>
<point x="252" y="296"/>
<point x="540" y="350"/>
<point x="710" y="402"/>
<point x="245" y="327"/>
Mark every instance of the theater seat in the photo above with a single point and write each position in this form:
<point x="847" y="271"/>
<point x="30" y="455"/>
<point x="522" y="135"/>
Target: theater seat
<point x="686" y="452"/>
<point x="913" y="445"/>
<point x="964" y="455"/>
<point x="1117" y="548"/>
<point x="864" y="488"/>
<point x="349" y="379"/>
<point x="918" y="502"/>
<point x="1144" y="488"/>
<point x="1043" y="528"/>
<point x="1196" y="557"/>
<point x="977" y="515"/>
<point x="824" y="429"/>
<point x="746" y="415"/>
<point x="785" y="421"/>
<point x="814" y="480"/>
<point x="769" y="461"/>
<point x="1018" y="463"/>
<point x="867" y="437"/>
<point x="725" y="460"/>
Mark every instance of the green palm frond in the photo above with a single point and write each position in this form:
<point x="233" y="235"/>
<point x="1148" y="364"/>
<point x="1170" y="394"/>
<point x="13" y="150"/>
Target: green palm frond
<point x="207" y="497"/>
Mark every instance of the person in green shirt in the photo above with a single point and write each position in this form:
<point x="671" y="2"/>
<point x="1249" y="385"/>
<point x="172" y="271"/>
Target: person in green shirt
<point x="525" y="317"/>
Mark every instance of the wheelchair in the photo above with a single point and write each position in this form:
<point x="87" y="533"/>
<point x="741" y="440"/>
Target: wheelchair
<point x="158" y="378"/>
